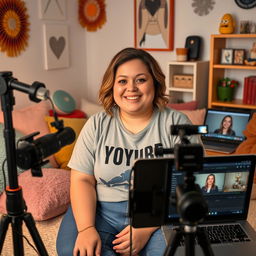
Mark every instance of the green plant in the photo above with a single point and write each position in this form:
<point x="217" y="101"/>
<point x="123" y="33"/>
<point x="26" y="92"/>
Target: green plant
<point x="227" y="82"/>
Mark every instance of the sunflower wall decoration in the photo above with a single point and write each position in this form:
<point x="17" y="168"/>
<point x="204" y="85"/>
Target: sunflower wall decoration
<point x="14" y="27"/>
<point x="92" y="14"/>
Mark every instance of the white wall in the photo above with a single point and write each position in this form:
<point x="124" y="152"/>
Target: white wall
<point x="90" y="52"/>
<point x="29" y="66"/>
<point x="118" y="33"/>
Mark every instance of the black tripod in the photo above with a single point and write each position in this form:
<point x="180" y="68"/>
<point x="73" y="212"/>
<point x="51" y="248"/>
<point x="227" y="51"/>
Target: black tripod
<point x="192" y="208"/>
<point x="15" y="204"/>
<point x="189" y="200"/>
<point x="188" y="234"/>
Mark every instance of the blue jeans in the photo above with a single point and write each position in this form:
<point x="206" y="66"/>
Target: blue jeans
<point x="111" y="218"/>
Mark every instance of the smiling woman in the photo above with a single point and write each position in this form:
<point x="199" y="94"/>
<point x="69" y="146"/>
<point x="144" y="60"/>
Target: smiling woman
<point x="135" y="119"/>
<point x="14" y="27"/>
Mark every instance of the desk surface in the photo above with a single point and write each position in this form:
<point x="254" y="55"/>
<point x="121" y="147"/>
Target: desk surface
<point x="214" y="153"/>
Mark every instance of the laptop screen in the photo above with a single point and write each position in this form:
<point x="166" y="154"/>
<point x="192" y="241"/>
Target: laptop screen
<point x="225" y="125"/>
<point x="226" y="183"/>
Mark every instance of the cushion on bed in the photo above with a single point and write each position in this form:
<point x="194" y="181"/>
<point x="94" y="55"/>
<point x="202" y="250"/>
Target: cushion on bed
<point x="195" y="116"/>
<point x="46" y="197"/>
<point x="191" y="105"/>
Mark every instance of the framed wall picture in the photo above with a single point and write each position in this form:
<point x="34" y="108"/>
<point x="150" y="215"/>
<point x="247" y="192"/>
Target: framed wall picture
<point x="154" y="24"/>
<point x="52" y="9"/>
<point x="56" y="46"/>
<point x="226" y="56"/>
<point x="239" y="56"/>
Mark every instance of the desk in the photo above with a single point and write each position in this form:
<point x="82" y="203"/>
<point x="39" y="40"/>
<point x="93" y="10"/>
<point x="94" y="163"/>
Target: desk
<point x="214" y="153"/>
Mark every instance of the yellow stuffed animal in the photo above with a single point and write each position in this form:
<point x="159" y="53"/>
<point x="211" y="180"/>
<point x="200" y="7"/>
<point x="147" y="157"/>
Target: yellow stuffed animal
<point x="227" y="24"/>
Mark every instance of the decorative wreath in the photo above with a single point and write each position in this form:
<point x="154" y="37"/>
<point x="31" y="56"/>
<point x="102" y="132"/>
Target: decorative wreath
<point x="14" y="27"/>
<point x="92" y="14"/>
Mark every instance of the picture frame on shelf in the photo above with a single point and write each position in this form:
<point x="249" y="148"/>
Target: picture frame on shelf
<point x="227" y="56"/>
<point x="239" y="57"/>
<point x="154" y="25"/>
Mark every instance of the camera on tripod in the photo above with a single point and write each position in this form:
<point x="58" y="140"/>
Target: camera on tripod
<point x="153" y="201"/>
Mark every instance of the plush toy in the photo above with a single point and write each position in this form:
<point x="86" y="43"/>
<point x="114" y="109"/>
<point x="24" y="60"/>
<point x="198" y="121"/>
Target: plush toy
<point x="252" y="59"/>
<point x="227" y="24"/>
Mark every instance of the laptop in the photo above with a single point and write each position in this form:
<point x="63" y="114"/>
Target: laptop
<point x="225" y="130"/>
<point x="228" y="203"/>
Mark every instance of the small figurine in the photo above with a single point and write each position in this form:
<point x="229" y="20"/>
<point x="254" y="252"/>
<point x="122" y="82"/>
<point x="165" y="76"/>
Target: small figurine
<point x="227" y="24"/>
<point x="252" y="59"/>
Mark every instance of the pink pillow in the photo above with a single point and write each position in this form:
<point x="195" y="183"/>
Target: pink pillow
<point x="191" y="105"/>
<point x="31" y="119"/>
<point x="195" y="116"/>
<point x="45" y="197"/>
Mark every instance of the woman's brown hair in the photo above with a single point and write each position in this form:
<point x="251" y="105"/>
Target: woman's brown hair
<point x="106" y="97"/>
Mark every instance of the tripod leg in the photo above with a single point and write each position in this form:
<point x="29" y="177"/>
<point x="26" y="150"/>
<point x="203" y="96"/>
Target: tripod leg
<point x="17" y="238"/>
<point x="173" y="242"/>
<point x="190" y="244"/>
<point x="204" y="242"/>
<point x="4" y="223"/>
<point x="30" y="223"/>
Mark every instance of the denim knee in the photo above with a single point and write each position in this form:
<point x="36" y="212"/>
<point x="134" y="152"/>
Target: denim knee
<point x="67" y="235"/>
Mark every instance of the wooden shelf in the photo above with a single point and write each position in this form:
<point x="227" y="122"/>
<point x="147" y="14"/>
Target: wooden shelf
<point x="234" y="67"/>
<point x="199" y="71"/>
<point x="237" y="103"/>
<point x="234" y="36"/>
<point x="218" y="71"/>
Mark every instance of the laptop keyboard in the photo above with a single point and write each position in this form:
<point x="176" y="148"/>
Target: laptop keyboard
<point x="232" y="233"/>
<point x="226" y="234"/>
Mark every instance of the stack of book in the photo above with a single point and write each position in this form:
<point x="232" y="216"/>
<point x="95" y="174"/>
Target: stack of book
<point x="249" y="94"/>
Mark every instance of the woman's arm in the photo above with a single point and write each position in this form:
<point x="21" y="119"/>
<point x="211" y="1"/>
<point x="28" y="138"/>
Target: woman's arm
<point x="83" y="202"/>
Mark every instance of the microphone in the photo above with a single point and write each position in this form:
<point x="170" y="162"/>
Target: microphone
<point x="30" y="153"/>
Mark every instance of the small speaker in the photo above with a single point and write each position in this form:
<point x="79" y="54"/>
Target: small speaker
<point x="193" y="44"/>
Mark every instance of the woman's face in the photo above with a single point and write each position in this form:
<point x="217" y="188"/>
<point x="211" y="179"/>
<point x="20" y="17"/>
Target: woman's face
<point x="210" y="180"/>
<point x="134" y="88"/>
<point x="227" y="122"/>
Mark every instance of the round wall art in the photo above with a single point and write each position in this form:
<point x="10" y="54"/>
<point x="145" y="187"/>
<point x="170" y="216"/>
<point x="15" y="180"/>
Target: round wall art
<point x="92" y="14"/>
<point x="203" y="7"/>
<point x="14" y="27"/>
<point x="246" y="4"/>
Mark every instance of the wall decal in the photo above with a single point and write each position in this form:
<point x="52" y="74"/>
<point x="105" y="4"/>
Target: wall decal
<point x="92" y="14"/>
<point x="56" y="46"/>
<point x="52" y="9"/>
<point x="203" y="7"/>
<point x="14" y="27"/>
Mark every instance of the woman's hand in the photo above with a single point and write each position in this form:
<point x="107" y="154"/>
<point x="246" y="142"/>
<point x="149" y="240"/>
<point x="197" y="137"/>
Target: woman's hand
<point x="140" y="237"/>
<point x="88" y="243"/>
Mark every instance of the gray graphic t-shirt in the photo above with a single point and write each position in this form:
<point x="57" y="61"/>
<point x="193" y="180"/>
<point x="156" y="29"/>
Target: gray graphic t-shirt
<point x="107" y="150"/>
